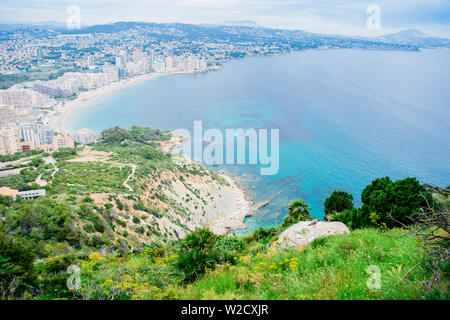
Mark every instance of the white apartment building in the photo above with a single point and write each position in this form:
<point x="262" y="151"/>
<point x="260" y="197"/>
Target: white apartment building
<point x="9" y="140"/>
<point x="26" y="98"/>
<point x="32" y="132"/>
<point x="85" y="136"/>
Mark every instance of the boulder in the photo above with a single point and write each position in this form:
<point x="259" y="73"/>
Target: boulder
<point x="305" y="232"/>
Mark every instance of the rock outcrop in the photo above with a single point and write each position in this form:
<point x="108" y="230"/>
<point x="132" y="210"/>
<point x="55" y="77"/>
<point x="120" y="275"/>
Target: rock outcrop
<point x="305" y="232"/>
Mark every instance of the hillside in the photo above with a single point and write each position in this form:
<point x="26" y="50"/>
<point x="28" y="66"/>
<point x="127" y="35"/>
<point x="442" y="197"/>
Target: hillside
<point x="118" y="194"/>
<point x="132" y="221"/>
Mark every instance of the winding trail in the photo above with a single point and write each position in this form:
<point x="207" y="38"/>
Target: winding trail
<point x="125" y="184"/>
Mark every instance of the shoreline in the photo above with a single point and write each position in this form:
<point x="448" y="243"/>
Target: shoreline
<point x="62" y="112"/>
<point x="243" y="205"/>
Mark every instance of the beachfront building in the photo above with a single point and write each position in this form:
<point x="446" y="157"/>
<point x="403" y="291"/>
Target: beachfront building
<point x="32" y="132"/>
<point x="9" y="140"/>
<point x="11" y="115"/>
<point x="111" y="73"/>
<point x="85" y="136"/>
<point x="25" y="98"/>
<point x="63" y="142"/>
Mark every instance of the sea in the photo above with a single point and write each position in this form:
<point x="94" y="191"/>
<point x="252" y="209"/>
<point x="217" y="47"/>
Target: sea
<point x="345" y="118"/>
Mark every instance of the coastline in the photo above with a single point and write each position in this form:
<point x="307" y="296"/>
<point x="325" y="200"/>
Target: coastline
<point x="61" y="113"/>
<point x="233" y="203"/>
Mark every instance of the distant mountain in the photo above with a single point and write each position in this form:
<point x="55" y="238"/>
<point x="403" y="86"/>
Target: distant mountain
<point x="243" y="23"/>
<point x="415" y="38"/>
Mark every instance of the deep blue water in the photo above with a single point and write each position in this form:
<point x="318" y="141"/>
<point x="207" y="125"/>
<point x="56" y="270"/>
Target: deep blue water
<point x="345" y="117"/>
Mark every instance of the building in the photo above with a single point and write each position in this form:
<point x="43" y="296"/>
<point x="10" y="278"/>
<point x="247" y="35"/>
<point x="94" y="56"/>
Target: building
<point x="32" y="194"/>
<point x="25" y="98"/>
<point x="111" y="73"/>
<point x="32" y="132"/>
<point x="10" y="140"/>
<point x="49" y="134"/>
<point x="27" y="146"/>
<point x="159" y="66"/>
<point x="85" y="136"/>
<point x="63" y="142"/>
<point x="169" y="64"/>
<point x="90" y="62"/>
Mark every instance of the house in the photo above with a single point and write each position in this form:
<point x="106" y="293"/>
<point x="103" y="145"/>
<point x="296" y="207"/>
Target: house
<point x="31" y="194"/>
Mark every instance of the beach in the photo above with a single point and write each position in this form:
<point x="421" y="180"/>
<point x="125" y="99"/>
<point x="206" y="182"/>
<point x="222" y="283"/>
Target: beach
<point x="232" y="203"/>
<point x="59" y="116"/>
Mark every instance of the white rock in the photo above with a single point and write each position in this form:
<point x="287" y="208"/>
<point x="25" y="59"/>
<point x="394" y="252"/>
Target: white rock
<point x="305" y="232"/>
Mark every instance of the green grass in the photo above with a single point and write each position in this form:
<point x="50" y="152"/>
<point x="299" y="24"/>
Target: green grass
<point x="333" y="268"/>
<point x="330" y="268"/>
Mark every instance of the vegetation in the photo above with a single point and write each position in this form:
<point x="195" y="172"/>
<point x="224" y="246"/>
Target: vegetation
<point x="19" y="155"/>
<point x="338" y="201"/>
<point x="385" y="204"/>
<point x="401" y="228"/>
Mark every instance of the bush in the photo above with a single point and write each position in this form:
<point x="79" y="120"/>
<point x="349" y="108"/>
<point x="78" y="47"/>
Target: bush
<point x="394" y="202"/>
<point x="297" y="211"/>
<point x="16" y="264"/>
<point x="228" y="248"/>
<point x="338" y="201"/>
<point x="263" y="235"/>
<point x="196" y="253"/>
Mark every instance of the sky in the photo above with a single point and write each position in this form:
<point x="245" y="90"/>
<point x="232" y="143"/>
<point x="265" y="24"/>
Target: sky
<point x="347" y="17"/>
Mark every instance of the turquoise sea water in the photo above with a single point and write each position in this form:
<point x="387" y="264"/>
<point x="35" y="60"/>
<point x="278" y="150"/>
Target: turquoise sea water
<point x="345" y="117"/>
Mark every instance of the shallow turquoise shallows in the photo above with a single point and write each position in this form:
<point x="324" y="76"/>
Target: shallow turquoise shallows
<point x="345" y="117"/>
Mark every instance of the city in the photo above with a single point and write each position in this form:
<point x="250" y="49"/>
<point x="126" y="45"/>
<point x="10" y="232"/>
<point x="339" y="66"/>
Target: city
<point x="43" y="67"/>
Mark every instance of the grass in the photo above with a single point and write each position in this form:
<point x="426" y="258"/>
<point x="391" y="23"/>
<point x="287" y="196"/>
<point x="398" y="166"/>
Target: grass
<point x="333" y="268"/>
<point x="329" y="268"/>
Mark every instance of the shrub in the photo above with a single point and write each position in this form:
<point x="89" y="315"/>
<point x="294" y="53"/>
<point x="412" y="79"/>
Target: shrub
<point x="16" y="264"/>
<point x="298" y="211"/>
<point x="228" y="248"/>
<point x="338" y="201"/>
<point x="394" y="202"/>
<point x="196" y="253"/>
<point x="263" y="235"/>
<point x="136" y="220"/>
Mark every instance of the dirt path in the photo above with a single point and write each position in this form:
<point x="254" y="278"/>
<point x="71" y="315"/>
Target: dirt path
<point x="40" y="182"/>
<point x="125" y="184"/>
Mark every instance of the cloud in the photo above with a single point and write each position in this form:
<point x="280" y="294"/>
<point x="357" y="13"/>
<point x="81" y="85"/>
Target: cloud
<point x="330" y="16"/>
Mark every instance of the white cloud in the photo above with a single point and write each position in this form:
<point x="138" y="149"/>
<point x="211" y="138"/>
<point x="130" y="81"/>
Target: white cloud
<point x="328" y="16"/>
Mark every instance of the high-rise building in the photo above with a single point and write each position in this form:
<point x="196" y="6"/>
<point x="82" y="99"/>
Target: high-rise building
<point x="90" y="61"/>
<point x="85" y="136"/>
<point x="63" y="142"/>
<point x="169" y="64"/>
<point x="10" y="140"/>
<point x="32" y="132"/>
<point x="49" y="134"/>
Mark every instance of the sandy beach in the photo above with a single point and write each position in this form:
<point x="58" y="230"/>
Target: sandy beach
<point x="60" y="115"/>
<point x="230" y="208"/>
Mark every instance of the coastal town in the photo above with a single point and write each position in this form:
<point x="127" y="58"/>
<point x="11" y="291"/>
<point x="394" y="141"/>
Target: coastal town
<point x="28" y="109"/>
<point x="45" y="71"/>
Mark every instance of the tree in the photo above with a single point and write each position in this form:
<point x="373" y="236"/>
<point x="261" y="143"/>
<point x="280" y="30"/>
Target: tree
<point x="394" y="202"/>
<point x="16" y="263"/>
<point x="338" y="201"/>
<point x="114" y="135"/>
<point x="36" y="162"/>
<point x="298" y="211"/>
